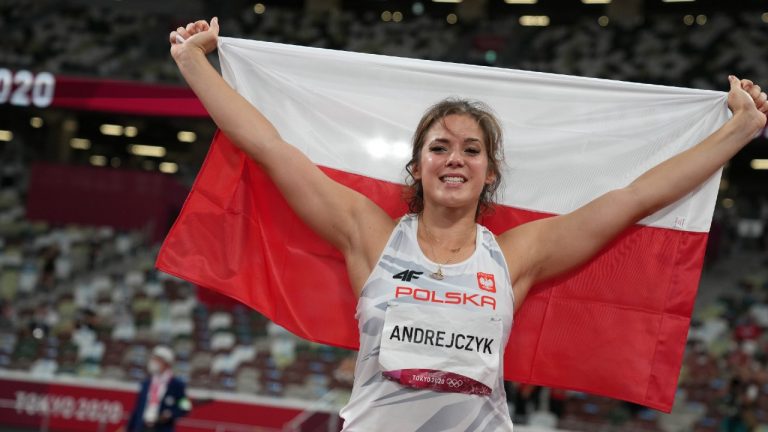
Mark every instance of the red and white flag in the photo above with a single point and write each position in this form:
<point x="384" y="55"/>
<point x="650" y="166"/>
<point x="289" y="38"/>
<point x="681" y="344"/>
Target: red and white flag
<point x="617" y="326"/>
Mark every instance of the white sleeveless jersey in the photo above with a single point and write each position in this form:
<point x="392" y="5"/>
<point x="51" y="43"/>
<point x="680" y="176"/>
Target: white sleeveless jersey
<point x="480" y="284"/>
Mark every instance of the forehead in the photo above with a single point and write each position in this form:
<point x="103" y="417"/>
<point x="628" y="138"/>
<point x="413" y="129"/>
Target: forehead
<point x="458" y="125"/>
<point x="455" y="126"/>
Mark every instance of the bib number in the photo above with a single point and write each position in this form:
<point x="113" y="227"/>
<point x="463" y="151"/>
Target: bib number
<point x="440" y="349"/>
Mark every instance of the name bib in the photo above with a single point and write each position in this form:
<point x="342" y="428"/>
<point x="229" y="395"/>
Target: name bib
<point x="440" y="348"/>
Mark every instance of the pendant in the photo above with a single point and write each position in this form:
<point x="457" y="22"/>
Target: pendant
<point x="438" y="274"/>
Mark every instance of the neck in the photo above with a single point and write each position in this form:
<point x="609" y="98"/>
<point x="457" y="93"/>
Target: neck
<point x="444" y="229"/>
<point x="162" y="373"/>
<point x="448" y="223"/>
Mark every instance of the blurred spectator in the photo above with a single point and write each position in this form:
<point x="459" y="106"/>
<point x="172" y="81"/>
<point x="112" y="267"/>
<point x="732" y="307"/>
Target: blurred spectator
<point x="345" y="372"/>
<point x="747" y="330"/>
<point x="162" y="399"/>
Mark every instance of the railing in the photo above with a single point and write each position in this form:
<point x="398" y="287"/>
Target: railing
<point x="197" y="424"/>
<point x="56" y="403"/>
<point x="96" y="405"/>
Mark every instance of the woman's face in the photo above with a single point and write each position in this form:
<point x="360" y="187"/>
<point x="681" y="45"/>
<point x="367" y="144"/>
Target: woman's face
<point x="453" y="165"/>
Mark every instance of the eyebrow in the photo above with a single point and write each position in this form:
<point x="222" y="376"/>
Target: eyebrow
<point x="466" y="140"/>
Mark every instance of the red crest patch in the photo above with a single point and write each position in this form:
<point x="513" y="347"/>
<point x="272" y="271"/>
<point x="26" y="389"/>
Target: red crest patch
<point x="486" y="282"/>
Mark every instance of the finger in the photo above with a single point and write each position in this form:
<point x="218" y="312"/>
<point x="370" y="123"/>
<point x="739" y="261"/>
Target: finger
<point x="762" y="107"/>
<point x="176" y="38"/>
<point x="202" y="25"/>
<point x="183" y="32"/>
<point x="191" y="28"/>
<point x="761" y="99"/>
<point x="745" y="83"/>
<point x="755" y="91"/>
<point x="215" y="25"/>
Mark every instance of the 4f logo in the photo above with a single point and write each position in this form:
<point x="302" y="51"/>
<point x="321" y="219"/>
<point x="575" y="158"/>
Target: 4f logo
<point x="407" y="275"/>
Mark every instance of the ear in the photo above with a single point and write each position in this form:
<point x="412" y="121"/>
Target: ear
<point x="416" y="172"/>
<point x="490" y="178"/>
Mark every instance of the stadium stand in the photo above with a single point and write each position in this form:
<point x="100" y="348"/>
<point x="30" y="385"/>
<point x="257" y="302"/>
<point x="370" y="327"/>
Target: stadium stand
<point x="84" y="39"/>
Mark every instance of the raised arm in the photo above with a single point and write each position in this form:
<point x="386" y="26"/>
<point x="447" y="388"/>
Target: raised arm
<point x="547" y="247"/>
<point x="345" y="218"/>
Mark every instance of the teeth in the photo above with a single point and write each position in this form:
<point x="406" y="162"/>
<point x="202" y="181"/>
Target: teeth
<point x="453" y="179"/>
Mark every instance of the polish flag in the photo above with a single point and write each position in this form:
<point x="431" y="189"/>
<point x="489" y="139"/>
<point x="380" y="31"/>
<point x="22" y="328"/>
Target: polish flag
<point x="617" y="326"/>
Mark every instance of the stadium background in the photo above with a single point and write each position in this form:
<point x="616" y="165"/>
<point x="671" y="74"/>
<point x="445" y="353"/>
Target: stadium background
<point x="100" y="142"/>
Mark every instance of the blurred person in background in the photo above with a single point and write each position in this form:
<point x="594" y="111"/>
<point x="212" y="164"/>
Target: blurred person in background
<point x="162" y="399"/>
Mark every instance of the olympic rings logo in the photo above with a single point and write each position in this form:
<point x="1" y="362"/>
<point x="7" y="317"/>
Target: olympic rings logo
<point x="454" y="383"/>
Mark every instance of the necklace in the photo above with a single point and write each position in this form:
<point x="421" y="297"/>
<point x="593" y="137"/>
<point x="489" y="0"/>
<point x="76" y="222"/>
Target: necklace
<point x="439" y="273"/>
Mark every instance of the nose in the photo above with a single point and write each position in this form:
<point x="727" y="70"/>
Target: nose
<point x="455" y="159"/>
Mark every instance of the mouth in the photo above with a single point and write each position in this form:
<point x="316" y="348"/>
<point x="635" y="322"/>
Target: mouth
<point x="453" y="179"/>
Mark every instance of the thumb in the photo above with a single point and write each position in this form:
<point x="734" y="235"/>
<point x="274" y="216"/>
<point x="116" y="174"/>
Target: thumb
<point x="215" y="25"/>
<point x="735" y="83"/>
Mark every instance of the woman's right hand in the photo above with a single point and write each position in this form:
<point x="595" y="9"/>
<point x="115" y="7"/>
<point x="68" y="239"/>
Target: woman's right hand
<point x="747" y="97"/>
<point x="197" y="35"/>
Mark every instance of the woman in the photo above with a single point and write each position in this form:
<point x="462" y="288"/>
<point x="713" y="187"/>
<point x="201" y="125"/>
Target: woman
<point x="430" y="347"/>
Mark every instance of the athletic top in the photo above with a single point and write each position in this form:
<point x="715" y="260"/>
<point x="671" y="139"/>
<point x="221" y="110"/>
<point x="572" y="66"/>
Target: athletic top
<point x="477" y="287"/>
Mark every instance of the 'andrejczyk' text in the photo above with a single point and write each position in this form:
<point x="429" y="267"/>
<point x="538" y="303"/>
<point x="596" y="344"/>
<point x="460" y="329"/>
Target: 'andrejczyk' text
<point x="442" y="339"/>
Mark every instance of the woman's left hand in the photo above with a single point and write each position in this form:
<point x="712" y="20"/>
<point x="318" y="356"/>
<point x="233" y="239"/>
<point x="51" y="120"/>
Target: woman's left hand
<point x="747" y="97"/>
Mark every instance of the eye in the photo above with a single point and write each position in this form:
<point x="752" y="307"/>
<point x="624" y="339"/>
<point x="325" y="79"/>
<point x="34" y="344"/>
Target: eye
<point x="472" y="150"/>
<point x="437" y="148"/>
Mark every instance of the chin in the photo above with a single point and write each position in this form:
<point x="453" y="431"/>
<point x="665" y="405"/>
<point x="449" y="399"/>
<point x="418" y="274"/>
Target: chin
<point x="457" y="204"/>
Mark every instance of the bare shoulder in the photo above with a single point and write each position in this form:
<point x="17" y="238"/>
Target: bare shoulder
<point x="375" y="226"/>
<point x="520" y="248"/>
<point x="374" y="229"/>
<point x="518" y="243"/>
